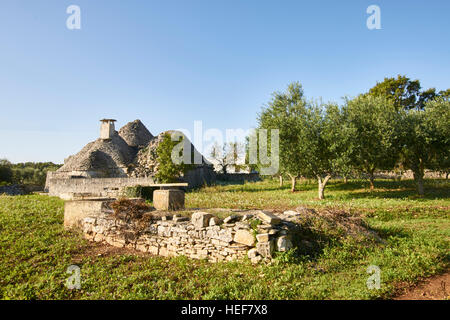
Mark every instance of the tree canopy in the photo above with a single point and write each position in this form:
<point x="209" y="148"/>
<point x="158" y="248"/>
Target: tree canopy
<point x="395" y="124"/>
<point x="406" y="93"/>
<point x="284" y="112"/>
<point x="373" y="133"/>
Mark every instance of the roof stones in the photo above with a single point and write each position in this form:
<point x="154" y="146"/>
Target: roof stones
<point x="135" y="134"/>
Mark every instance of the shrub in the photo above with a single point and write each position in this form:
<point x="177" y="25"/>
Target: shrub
<point x="168" y="171"/>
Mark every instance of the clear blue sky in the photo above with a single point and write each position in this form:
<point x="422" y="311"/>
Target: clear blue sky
<point x="169" y="63"/>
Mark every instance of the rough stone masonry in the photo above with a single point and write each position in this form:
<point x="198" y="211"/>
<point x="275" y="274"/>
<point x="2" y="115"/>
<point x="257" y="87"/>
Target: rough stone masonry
<point x="256" y="234"/>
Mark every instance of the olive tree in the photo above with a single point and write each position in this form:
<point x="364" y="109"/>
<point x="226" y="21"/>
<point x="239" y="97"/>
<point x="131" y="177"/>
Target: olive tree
<point x="426" y="139"/>
<point x="438" y="114"/>
<point x="323" y="144"/>
<point x="283" y="113"/>
<point x="373" y="127"/>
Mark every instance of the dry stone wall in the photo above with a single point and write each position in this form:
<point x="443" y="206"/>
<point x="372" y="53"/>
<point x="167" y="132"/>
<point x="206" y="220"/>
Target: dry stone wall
<point x="98" y="187"/>
<point x="256" y="235"/>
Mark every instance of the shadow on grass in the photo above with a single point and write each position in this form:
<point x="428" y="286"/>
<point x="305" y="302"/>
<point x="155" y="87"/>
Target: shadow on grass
<point x="386" y="233"/>
<point x="386" y="189"/>
<point x="264" y="187"/>
<point x="310" y="244"/>
<point x="317" y="241"/>
<point x="430" y="194"/>
<point x="339" y="185"/>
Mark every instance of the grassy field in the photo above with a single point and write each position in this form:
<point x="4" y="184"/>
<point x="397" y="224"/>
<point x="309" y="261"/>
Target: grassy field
<point x="35" y="250"/>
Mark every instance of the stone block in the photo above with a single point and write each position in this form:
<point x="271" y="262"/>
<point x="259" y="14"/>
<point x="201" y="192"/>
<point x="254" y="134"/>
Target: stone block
<point x="200" y="219"/>
<point x="252" y="253"/>
<point x="256" y="259"/>
<point x="262" y="237"/>
<point x="115" y="242"/>
<point x="98" y="238"/>
<point x="141" y="247"/>
<point x="268" y="217"/>
<point x="214" y="221"/>
<point x="284" y="243"/>
<point x="171" y="199"/>
<point x="231" y="219"/>
<point x="242" y="225"/>
<point x="225" y="236"/>
<point x="265" y="249"/>
<point x="245" y="237"/>
<point x="163" y="252"/>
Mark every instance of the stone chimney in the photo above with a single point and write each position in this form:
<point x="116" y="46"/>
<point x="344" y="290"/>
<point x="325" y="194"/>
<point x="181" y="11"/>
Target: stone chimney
<point x="107" y="129"/>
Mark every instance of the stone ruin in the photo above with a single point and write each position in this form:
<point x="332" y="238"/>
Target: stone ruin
<point x="255" y="234"/>
<point x="202" y="236"/>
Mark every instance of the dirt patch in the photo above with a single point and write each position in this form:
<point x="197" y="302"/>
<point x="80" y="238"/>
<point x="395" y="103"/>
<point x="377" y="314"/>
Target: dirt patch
<point x="434" y="288"/>
<point x="97" y="249"/>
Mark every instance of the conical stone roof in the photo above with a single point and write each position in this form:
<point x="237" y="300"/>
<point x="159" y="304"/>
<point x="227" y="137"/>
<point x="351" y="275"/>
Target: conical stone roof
<point x="113" y="154"/>
<point x="135" y="134"/>
<point x="130" y="152"/>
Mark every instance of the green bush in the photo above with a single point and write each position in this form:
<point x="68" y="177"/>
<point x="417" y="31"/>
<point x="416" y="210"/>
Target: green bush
<point x="6" y="173"/>
<point x="140" y="192"/>
<point x="168" y="171"/>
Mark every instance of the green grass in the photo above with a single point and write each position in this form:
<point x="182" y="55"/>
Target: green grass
<point x="35" y="250"/>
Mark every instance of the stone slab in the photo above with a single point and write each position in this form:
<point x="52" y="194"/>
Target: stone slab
<point x="171" y="199"/>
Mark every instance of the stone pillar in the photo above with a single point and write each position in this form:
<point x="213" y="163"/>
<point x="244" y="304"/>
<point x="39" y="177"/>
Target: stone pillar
<point x="171" y="199"/>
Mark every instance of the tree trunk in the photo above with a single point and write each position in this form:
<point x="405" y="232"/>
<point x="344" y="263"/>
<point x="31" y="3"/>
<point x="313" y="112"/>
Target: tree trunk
<point x="322" y="184"/>
<point x="372" y="181"/>
<point x="293" y="183"/>
<point x="418" y="177"/>
<point x="281" y="181"/>
<point x="345" y="179"/>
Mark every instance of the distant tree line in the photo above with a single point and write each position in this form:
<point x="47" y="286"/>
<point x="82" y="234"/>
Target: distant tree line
<point x="395" y="124"/>
<point x="32" y="173"/>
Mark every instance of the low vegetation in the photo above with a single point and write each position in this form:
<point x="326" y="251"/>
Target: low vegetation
<point x="36" y="251"/>
<point x="29" y="173"/>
